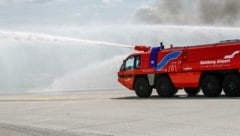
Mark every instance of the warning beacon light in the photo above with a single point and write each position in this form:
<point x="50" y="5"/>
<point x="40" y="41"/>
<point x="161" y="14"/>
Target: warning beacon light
<point x="142" y="48"/>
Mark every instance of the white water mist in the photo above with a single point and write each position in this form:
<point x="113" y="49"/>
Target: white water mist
<point x="100" y="75"/>
<point x="33" y="61"/>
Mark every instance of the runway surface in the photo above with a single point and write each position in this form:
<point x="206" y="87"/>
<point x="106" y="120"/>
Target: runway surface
<point x="117" y="112"/>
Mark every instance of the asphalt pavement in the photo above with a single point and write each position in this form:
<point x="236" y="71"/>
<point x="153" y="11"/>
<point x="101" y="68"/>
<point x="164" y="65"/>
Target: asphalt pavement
<point x="117" y="113"/>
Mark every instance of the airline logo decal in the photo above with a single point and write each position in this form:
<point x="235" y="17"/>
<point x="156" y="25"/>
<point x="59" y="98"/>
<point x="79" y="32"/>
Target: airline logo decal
<point x="226" y="59"/>
<point x="170" y="56"/>
<point x="232" y="55"/>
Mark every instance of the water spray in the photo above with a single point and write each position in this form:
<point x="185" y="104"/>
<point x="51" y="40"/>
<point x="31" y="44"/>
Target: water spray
<point x="47" y="37"/>
<point x="45" y="68"/>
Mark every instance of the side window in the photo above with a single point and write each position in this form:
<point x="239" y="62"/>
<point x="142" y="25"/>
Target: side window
<point x="129" y="63"/>
<point x="132" y="62"/>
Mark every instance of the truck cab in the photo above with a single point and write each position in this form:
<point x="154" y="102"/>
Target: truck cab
<point x="128" y="70"/>
<point x="134" y="71"/>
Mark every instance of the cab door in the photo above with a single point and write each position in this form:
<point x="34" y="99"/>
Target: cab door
<point x="128" y="71"/>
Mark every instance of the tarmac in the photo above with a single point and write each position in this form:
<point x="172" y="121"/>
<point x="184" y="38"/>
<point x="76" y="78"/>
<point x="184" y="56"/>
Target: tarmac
<point x="117" y="113"/>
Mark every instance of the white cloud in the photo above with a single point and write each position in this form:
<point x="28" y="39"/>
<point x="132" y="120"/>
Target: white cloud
<point x="112" y="1"/>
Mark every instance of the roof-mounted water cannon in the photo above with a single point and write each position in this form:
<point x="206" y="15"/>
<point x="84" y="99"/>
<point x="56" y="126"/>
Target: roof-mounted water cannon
<point x="162" y="46"/>
<point x="143" y="48"/>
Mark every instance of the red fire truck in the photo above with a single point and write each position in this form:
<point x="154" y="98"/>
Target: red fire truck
<point x="210" y="68"/>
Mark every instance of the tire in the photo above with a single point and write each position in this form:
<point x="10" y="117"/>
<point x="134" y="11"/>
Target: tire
<point x="211" y="86"/>
<point x="165" y="87"/>
<point x="142" y="88"/>
<point x="191" y="91"/>
<point x="231" y="85"/>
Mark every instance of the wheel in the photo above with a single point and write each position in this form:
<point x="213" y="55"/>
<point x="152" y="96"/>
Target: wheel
<point x="211" y="86"/>
<point x="231" y="85"/>
<point x="165" y="87"/>
<point x="142" y="88"/>
<point x="192" y="91"/>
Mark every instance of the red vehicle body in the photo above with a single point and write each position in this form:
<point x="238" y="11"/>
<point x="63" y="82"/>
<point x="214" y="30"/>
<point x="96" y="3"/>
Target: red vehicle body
<point x="211" y="67"/>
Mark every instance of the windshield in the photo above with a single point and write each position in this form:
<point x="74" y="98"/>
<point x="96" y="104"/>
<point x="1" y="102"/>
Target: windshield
<point x="132" y="62"/>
